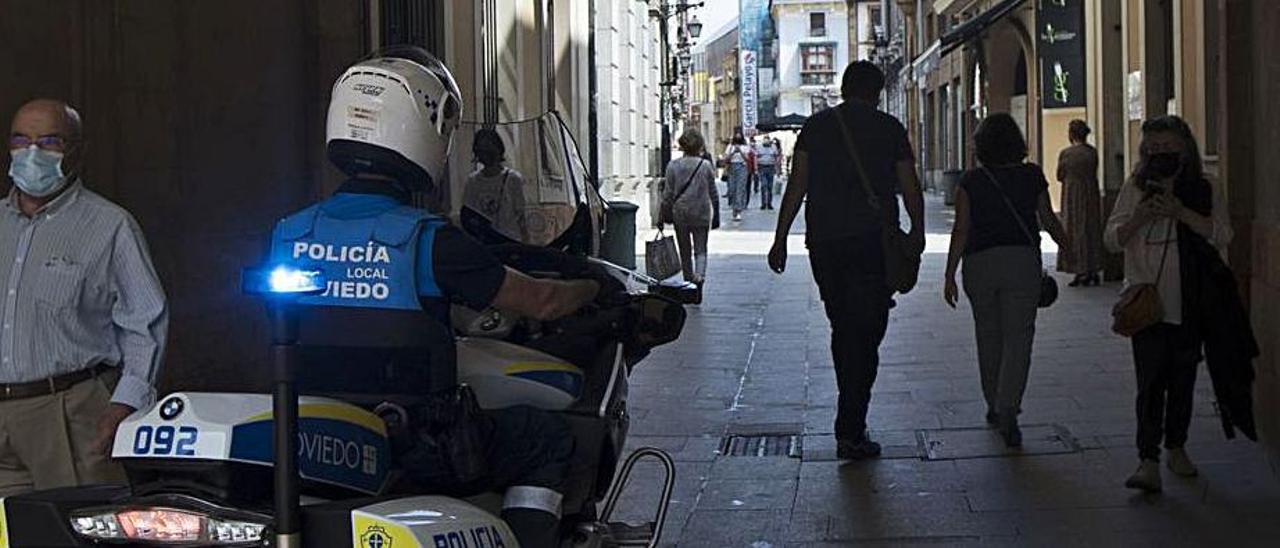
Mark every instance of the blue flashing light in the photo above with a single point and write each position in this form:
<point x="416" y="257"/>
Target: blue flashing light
<point x="282" y="281"/>
<point x="290" y="280"/>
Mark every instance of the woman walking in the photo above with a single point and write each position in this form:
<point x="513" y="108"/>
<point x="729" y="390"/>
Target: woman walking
<point x="1081" y="208"/>
<point x="1000" y="208"/>
<point x="736" y="159"/>
<point x="1167" y="214"/>
<point x="689" y="193"/>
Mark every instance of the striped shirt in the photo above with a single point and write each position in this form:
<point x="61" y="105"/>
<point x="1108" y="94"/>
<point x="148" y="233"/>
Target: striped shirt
<point x="79" y="289"/>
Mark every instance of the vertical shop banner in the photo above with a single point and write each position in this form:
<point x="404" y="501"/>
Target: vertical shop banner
<point x="750" y="87"/>
<point x="1060" y="39"/>
<point x="753" y="21"/>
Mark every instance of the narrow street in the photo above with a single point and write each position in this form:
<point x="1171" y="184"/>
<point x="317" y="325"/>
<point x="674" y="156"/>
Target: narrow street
<point x="754" y="361"/>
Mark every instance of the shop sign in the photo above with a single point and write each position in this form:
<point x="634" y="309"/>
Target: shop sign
<point x="750" y="101"/>
<point x="1061" y="43"/>
<point x="754" y="28"/>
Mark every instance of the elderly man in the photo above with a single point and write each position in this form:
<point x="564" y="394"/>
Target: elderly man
<point x="83" y="316"/>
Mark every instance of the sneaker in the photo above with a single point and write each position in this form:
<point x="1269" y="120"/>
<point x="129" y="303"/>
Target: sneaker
<point x="857" y="450"/>
<point x="1179" y="463"/>
<point x="1146" y="477"/>
<point x="737" y="217"/>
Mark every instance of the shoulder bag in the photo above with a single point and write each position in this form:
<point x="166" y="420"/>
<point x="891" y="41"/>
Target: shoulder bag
<point x="1140" y="305"/>
<point x="667" y="213"/>
<point x="1048" y="285"/>
<point x="901" y="255"/>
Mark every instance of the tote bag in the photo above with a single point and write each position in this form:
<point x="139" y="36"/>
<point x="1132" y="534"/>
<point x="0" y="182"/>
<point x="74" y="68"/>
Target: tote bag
<point x="661" y="260"/>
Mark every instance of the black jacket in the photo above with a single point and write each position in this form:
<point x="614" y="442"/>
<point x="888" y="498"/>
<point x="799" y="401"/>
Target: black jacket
<point x="1220" y="320"/>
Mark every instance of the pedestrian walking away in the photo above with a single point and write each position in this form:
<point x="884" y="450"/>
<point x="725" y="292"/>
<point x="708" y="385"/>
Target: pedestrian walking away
<point x="85" y="316"/>
<point x="1172" y="225"/>
<point x="845" y="231"/>
<point x="767" y="166"/>
<point x="689" y="193"/>
<point x="736" y="159"/>
<point x="1000" y="208"/>
<point x="1081" y="208"/>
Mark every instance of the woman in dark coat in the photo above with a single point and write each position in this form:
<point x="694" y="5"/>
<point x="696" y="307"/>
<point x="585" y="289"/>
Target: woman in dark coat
<point x="1081" y="208"/>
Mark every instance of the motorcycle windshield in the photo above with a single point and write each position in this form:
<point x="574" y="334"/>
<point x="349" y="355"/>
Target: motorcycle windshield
<point x="543" y="193"/>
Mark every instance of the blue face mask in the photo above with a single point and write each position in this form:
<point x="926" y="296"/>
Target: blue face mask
<point x="36" y="171"/>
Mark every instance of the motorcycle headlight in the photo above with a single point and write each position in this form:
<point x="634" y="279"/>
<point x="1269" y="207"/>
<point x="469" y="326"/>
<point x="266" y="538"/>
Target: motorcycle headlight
<point x="165" y="526"/>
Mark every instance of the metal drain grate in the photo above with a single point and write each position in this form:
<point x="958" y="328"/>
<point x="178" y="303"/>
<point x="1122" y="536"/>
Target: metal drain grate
<point x="973" y="443"/>
<point x="762" y="445"/>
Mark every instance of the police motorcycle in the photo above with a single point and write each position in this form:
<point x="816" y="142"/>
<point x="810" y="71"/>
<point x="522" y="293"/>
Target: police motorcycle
<point x="313" y="463"/>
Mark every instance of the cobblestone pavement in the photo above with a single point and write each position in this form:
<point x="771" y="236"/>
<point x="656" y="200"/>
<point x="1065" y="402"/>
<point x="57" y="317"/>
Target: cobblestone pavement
<point x="754" y="360"/>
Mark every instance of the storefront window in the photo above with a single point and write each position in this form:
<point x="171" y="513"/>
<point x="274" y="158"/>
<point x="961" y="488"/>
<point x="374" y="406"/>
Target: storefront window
<point x="979" y="92"/>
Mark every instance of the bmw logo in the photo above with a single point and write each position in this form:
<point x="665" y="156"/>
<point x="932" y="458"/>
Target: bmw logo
<point x="171" y="408"/>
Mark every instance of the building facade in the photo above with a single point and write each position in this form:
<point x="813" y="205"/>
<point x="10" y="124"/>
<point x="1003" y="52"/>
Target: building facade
<point x="720" y="55"/>
<point x="813" y="47"/>
<point x="629" y="97"/>
<point x="168" y="98"/>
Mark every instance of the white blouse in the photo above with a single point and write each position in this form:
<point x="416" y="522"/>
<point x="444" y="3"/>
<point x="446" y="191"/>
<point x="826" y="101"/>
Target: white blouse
<point x="1144" y="250"/>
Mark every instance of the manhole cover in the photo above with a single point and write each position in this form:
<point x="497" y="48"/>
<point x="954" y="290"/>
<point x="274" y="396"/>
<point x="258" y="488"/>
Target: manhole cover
<point x="972" y="443"/>
<point x="763" y="445"/>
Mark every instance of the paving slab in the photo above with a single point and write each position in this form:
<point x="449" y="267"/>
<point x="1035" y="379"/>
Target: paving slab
<point x="755" y="358"/>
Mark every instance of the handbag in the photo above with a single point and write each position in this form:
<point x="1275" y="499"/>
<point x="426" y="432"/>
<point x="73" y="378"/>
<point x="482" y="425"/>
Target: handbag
<point x="666" y="212"/>
<point x="1048" y="285"/>
<point x="1140" y="305"/>
<point x="901" y="255"/>
<point x="661" y="260"/>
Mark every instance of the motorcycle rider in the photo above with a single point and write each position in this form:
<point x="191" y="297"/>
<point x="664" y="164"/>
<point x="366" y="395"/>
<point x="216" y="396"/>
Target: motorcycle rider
<point x="390" y="126"/>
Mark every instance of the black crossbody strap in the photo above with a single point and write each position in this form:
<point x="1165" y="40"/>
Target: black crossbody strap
<point x="1008" y="202"/>
<point x="1164" y="254"/>
<point x="872" y="199"/>
<point x="689" y="182"/>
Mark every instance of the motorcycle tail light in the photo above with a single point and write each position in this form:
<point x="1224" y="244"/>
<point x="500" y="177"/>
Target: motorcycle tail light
<point x="165" y="526"/>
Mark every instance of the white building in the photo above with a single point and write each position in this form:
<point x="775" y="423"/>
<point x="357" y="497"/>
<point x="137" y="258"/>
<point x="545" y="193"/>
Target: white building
<point x="813" y="49"/>
<point x="629" y="131"/>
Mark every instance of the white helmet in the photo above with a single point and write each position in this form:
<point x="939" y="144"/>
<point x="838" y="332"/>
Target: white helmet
<point x="394" y="114"/>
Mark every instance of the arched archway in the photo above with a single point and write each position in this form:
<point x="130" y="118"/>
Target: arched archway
<point x="1010" y="82"/>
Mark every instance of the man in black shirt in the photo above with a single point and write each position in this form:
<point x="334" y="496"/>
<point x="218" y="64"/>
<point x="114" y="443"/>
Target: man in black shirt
<point x="844" y="234"/>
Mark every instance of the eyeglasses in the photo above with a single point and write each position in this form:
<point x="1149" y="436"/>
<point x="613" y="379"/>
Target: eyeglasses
<point x="46" y="142"/>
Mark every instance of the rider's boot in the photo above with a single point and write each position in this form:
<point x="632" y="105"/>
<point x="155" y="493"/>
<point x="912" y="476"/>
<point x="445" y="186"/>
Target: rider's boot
<point x="533" y="513"/>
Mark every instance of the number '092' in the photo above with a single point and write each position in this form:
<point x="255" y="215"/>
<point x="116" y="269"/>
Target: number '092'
<point x="165" y="440"/>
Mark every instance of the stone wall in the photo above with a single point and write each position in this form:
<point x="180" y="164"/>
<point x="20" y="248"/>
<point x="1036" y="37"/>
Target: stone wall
<point x="1265" y="19"/>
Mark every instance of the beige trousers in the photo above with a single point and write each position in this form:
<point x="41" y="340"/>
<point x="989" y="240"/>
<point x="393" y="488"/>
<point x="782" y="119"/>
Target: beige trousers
<point x="45" y="440"/>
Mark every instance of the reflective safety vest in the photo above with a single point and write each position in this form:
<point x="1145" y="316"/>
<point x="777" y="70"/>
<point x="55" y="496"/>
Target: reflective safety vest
<point x="369" y="262"/>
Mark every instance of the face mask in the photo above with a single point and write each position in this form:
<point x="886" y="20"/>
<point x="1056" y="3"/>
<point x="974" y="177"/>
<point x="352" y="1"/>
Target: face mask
<point x="37" y="172"/>
<point x="1165" y="164"/>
